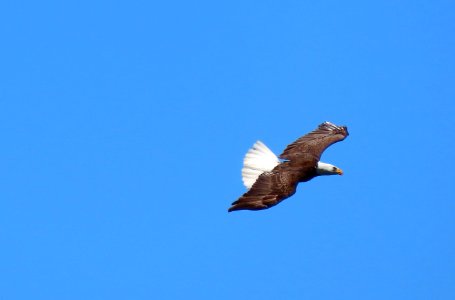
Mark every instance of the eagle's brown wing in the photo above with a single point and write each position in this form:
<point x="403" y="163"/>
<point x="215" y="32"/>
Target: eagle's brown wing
<point x="268" y="190"/>
<point x="316" y="141"/>
<point x="272" y="187"/>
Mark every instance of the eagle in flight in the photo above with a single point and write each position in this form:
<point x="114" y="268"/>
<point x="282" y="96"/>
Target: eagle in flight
<point x="270" y="179"/>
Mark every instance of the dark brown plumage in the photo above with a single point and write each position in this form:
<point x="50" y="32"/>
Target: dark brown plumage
<point x="316" y="141"/>
<point x="300" y="164"/>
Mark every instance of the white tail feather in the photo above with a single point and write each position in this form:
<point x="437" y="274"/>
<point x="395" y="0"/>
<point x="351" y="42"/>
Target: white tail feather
<point x="258" y="159"/>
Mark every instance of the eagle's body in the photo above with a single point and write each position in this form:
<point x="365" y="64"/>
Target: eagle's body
<point x="271" y="180"/>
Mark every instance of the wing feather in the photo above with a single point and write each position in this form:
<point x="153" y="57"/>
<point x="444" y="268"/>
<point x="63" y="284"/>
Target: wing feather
<point x="316" y="141"/>
<point x="269" y="189"/>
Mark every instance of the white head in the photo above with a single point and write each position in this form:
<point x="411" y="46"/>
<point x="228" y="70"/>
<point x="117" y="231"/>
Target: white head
<point x="328" y="169"/>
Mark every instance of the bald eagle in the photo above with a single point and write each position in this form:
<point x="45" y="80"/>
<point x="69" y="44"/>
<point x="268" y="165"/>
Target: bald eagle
<point x="270" y="180"/>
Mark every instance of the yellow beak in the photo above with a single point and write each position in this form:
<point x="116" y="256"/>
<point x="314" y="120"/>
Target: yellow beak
<point x="339" y="172"/>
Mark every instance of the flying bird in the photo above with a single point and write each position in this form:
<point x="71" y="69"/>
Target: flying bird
<point x="270" y="179"/>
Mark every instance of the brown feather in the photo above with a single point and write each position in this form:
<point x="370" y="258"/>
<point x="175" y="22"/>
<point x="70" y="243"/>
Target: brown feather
<point x="316" y="141"/>
<point x="273" y="187"/>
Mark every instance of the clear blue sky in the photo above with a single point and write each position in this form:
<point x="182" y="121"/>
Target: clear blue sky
<point x="124" y="125"/>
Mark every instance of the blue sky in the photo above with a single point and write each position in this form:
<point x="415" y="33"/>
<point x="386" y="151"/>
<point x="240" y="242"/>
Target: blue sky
<point x="124" y="126"/>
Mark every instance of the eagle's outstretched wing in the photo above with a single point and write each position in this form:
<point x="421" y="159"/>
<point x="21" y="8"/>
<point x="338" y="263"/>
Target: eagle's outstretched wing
<point x="268" y="190"/>
<point x="316" y="141"/>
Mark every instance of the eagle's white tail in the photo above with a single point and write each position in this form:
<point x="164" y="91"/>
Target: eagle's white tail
<point x="258" y="159"/>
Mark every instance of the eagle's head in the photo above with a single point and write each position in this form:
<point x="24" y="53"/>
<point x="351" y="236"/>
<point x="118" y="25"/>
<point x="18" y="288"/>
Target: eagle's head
<point x="328" y="169"/>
